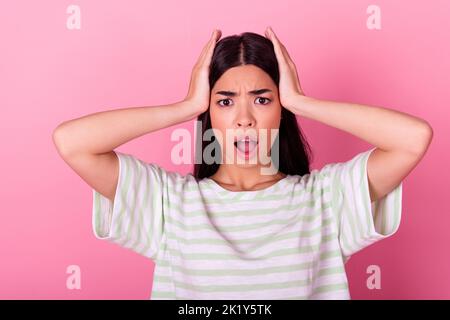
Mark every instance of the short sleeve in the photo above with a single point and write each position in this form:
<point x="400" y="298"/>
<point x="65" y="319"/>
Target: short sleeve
<point x="359" y="221"/>
<point x="134" y="219"/>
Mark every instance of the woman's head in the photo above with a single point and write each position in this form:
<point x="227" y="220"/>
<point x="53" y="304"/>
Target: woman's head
<point x="240" y="65"/>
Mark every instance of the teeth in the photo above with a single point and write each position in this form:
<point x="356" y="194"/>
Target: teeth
<point x="246" y="145"/>
<point x="248" y="140"/>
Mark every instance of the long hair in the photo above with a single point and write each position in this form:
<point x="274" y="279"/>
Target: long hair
<point x="252" y="48"/>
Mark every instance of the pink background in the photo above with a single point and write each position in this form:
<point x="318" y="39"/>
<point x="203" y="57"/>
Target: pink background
<point x="141" y="53"/>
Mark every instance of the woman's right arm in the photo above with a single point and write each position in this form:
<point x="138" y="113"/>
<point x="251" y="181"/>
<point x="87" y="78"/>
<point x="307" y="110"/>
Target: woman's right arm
<point x="102" y="132"/>
<point x="86" y="144"/>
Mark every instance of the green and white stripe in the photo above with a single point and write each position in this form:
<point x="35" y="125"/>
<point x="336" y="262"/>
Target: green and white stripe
<point x="288" y="241"/>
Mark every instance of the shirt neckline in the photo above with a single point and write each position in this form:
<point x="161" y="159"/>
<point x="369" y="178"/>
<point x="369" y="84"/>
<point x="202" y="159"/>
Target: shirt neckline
<point x="227" y="192"/>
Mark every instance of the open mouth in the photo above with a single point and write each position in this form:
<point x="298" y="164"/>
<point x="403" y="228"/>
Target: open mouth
<point x="246" y="145"/>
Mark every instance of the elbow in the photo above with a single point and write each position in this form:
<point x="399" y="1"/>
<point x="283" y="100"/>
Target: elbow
<point x="59" y="140"/>
<point x="425" y="137"/>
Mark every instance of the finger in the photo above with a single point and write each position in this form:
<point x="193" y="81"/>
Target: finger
<point x="210" y="51"/>
<point x="275" y="41"/>
<point x="205" y="47"/>
<point x="209" y="48"/>
<point x="281" y="47"/>
<point x="286" y="54"/>
<point x="278" y="42"/>
<point x="289" y="61"/>
<point x="202" y="54"/>
<point x="277" y="46"/>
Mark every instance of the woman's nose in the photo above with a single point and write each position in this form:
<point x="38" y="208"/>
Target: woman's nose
<point x="246" y="123"/>
<point x="245" y="119"/>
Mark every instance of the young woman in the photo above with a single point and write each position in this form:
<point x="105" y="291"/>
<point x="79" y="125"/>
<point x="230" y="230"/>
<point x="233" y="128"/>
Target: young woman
<point x="228" y="231"/>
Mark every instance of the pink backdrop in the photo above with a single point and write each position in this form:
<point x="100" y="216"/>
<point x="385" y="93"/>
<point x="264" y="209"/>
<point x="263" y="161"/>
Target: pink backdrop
<point x="141" y="53"/>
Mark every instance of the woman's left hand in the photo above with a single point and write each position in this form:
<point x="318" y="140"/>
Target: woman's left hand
<point x="289" y="87"/>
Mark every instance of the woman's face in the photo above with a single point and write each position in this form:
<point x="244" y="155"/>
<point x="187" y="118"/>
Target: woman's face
<point x="242" y="113"/>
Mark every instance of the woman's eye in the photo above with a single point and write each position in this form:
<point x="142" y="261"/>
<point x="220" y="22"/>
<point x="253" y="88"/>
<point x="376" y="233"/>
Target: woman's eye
<point x="223" y="100"/>
<point x="268" y="100"/>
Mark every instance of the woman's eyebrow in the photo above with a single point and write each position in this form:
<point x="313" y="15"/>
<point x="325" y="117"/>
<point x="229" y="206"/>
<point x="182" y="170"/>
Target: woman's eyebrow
<point x="252" y="92"/>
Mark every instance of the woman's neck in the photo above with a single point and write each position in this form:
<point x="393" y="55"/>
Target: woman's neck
<point x="244" y="179"/>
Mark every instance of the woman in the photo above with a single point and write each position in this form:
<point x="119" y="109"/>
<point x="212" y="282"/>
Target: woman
<point x="229" y="231"/>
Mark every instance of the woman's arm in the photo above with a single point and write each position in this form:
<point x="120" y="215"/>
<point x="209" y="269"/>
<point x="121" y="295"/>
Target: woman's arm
<point x="86" y="144"/>
<point x="102" y="132"/>
<point x="401" y="139"/>
<point x="387" y="129"/>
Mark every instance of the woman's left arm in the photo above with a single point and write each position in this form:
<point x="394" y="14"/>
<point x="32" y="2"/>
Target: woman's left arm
<point x="401" y="140"/>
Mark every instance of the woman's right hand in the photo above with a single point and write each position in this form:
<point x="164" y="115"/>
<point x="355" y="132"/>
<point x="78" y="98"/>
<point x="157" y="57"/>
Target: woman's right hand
<point x="198" y="95"/>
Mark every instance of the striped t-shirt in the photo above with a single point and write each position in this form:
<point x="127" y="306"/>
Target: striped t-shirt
<point x="288" y="241"/>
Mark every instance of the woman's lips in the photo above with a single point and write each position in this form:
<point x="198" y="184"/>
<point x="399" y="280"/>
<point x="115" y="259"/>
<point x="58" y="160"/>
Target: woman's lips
<point x="246" y="149"/>
<point x="246" y="145"/>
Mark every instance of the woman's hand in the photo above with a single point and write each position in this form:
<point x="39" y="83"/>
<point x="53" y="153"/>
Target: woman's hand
<point x="289" y="87"/>
<point x="198" y="95"/>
